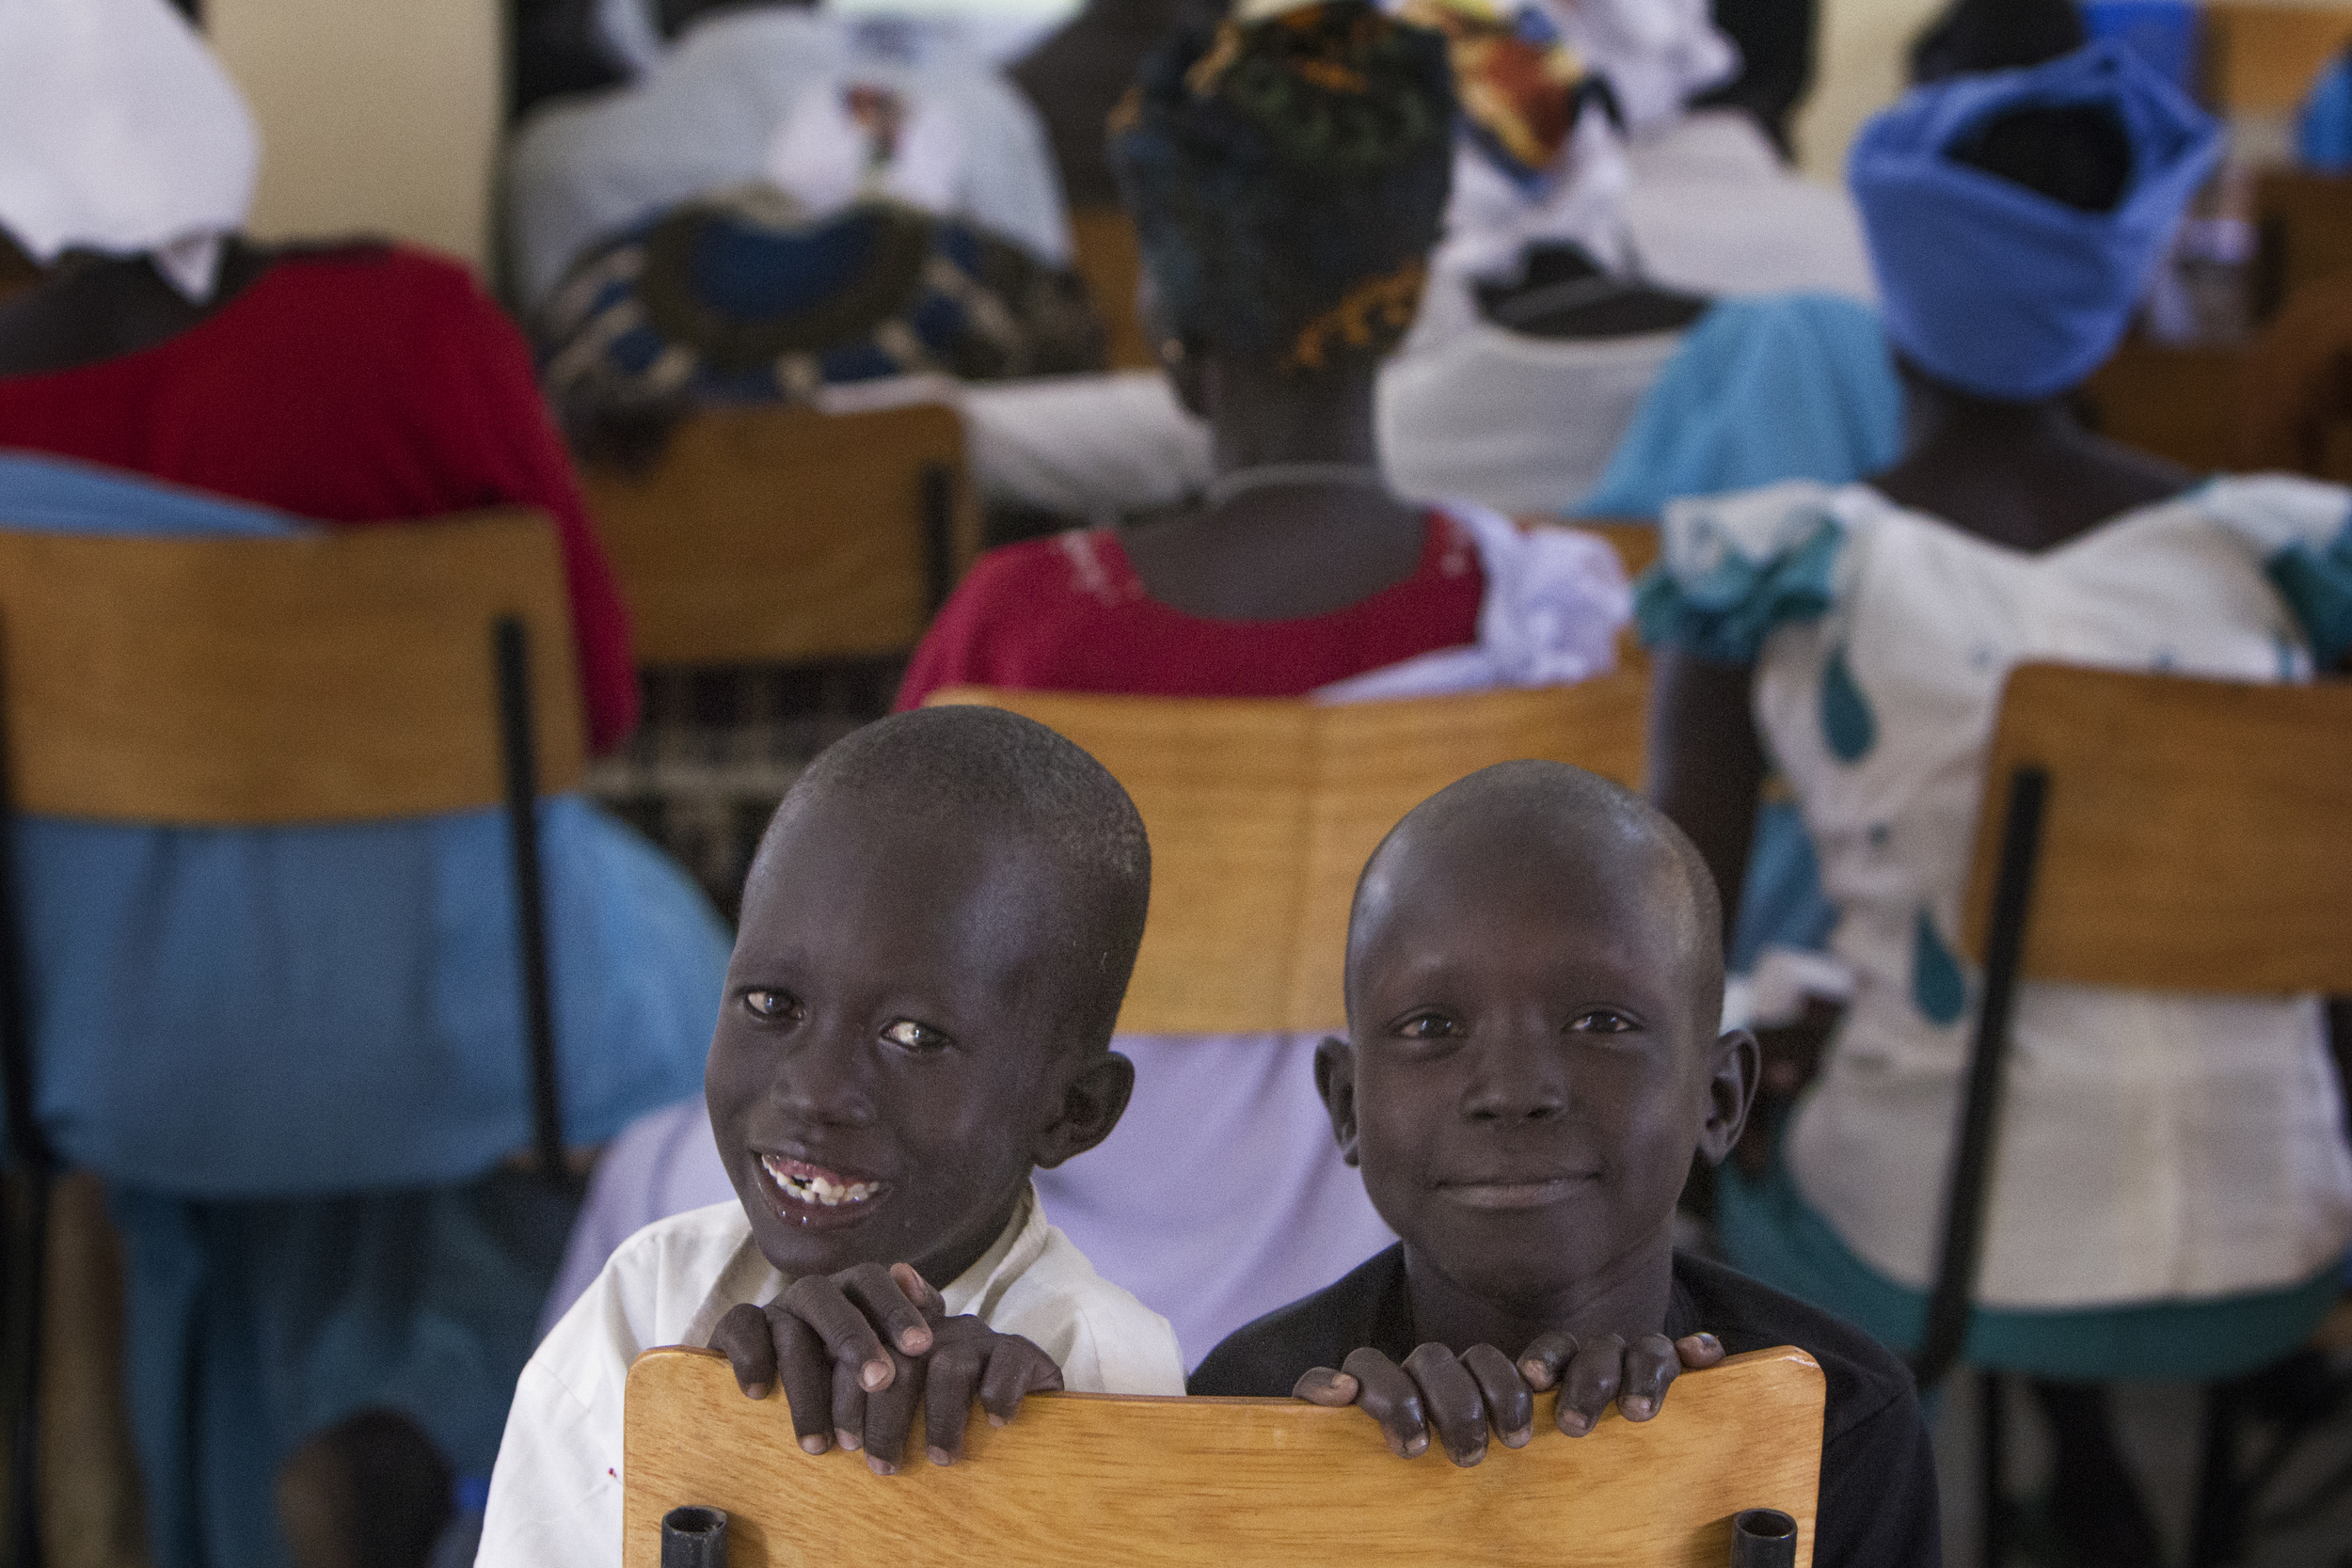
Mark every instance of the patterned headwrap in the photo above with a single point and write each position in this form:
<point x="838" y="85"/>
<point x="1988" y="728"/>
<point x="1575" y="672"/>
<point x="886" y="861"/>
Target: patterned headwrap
<point x="1288" y="178"/>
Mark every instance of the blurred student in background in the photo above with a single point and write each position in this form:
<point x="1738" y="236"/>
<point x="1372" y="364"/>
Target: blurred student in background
<point x="293" y="1055"/>
<point x="2159" y="1210"/>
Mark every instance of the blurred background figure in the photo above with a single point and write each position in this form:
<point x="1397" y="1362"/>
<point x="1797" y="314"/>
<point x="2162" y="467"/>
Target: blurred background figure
<point x="826" y="108"/>
<point x="292" y="1055"/>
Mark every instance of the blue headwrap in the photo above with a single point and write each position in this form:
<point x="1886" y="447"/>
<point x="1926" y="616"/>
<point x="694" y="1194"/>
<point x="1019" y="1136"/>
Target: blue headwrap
<point x="1999" y="289"/>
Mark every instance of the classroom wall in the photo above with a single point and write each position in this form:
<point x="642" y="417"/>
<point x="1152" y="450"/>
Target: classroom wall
<point x="377" y="116"/>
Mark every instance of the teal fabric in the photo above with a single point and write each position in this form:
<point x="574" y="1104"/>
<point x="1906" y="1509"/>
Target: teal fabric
<point x="1770" y="1231"/>
<point x="1939" y="987"/>
<point x="1760" y="391"/>
<point x="1725" y="613"/>
<point x="2317" y="585"/>
<point x="1847" y="722"/>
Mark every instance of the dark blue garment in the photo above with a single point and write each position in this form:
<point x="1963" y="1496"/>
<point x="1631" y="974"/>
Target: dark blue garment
<point x="1999" y="289"/>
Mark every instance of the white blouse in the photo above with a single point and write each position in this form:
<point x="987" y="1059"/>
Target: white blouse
<point x="2152" y="1147"/>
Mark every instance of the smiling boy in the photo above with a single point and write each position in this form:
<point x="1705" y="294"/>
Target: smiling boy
<point x="937" y="933"/>
<point x="1534" y="974"/>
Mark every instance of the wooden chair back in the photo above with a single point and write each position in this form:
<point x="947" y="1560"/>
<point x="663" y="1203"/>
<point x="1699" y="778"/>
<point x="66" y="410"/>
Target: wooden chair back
<point x="1262" y="813"/>
<point x="2149" y="831"/>
<point x="2262" y="60"/>
<point x="1111" y="261"/>
<point x="2177" y="400"/>
<point x="1086" y="1481"/>
<point x="340" y="676"/>
<point x="2197" y="834"/>
<point x="786" y="536"/>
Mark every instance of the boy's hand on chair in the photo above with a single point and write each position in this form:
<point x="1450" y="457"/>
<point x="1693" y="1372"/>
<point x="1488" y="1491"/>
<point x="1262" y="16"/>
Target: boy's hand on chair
<point x="1466" y="1397"/>
<point x="855" y="1353"/>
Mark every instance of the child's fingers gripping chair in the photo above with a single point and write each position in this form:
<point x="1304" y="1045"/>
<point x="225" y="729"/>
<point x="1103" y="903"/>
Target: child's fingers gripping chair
<point x="1082" y="1481"/>
<point x="263" y="682"/>
<point x="2163" y="833"/>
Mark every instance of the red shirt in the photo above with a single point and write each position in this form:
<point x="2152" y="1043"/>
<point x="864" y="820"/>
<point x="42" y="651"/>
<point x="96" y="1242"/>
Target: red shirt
<point x="371" y="385"/>
<point x="1070" y="614"/>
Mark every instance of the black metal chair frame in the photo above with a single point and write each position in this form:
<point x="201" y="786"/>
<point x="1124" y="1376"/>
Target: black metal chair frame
<point x="34" y="1161"/>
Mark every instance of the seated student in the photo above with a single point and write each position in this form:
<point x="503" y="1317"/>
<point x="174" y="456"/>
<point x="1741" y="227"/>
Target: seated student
<point x="748" y="87"/>
<point x="1534" y="976"/>
<point x="291" y="1256"/>
<point x="1602" y="245"/>
<point x="749" y="296"/>
<point x="1286" y="282"/>
<point x="347" y="384"/>
<point x="2159" y="1208"/>
<point x="935" y="942"/>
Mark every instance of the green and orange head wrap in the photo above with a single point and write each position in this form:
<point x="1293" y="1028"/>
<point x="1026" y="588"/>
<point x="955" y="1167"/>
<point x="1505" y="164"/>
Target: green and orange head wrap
<point x="1288" y="178"/>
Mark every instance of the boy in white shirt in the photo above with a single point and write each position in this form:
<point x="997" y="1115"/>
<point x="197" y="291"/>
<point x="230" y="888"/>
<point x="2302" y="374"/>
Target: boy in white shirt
<point x="936" y="936"/>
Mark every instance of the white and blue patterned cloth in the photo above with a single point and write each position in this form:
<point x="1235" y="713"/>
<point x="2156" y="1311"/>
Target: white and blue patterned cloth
<point x="2154" y="1148"/>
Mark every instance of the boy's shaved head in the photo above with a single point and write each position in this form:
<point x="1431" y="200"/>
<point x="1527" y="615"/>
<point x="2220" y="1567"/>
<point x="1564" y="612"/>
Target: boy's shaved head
<point x="937" y="934"/>
<point x="987" y="770"/>
<point x="1535" y="985"/>
<point x="1580" y="818"/>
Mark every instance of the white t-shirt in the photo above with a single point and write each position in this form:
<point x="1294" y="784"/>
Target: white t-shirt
<point x="555" y="1498"/>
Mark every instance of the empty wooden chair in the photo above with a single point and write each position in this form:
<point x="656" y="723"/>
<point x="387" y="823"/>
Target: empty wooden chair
<point x="1094" y="1481"/>
<point x="1262" y="814"/>
<point x="2147" y="831"/>
<point x="784" y="535"/>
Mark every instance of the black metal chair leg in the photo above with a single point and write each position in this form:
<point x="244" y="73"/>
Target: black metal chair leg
<point x="1946" y="1334"/>
<point x="1992" y="1472"/>
<point x="510" y="649"/>
<point x="939" y="533"/>
<point x="2217" y="1535"/>
<point x="28" y="1229"/>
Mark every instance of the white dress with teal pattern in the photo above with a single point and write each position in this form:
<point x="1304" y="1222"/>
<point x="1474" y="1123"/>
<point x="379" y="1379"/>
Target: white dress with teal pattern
<point x="2154" y="1148"/>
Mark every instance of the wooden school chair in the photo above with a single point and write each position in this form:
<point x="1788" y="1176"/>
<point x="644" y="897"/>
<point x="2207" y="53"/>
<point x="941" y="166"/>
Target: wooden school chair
<point x="211" y="682"/>
<point x="2147" y="831"/>
<point x="1262" y="814"/>
<point x="784" y="535"/>
<point x="2262" y="60"/>
<point x="1110" y="260"/>
<point x="1085" y="1481"/>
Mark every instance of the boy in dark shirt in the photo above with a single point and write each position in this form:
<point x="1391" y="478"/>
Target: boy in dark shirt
<point x="1534" y="974"/>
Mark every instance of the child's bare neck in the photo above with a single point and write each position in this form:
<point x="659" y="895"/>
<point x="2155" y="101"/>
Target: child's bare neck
<point x="1628" y="1296"/>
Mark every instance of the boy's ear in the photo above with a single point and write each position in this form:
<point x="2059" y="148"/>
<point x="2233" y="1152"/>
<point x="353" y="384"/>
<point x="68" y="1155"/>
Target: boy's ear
<point x="1335" y="1079"/>
<point x="1735" y="1065"/>
<point x="1092" y="1101"/>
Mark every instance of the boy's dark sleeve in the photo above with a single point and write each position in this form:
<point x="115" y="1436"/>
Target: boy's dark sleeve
<point x="1877" y="1504"/>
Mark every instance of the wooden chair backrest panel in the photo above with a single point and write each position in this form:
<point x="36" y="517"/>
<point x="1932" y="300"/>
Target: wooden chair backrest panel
<point x="339" y="677"/>
<point x="2198" y="835"/>
<point x="2305" y="224"/>
<point x="2177" y="401"/>
<point x="1262" y="813"/>
<point x="2263" y="58"/>
<point x="1088" y="1480"/>
<point x="782" y="535"/>
<point x="1111" y="261"/>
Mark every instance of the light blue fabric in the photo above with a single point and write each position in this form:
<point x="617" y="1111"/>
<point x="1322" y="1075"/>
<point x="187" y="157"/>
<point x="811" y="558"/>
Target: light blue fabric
<point x="297" y="974"/>
<point x="2316" y="584"/>
<point x="2323" y="131"/>
<point x="294" y="1053"/>
<point x="2000" y="291"/>
<point x="1784" y="387"/>
<point x="1769" y="1232"/>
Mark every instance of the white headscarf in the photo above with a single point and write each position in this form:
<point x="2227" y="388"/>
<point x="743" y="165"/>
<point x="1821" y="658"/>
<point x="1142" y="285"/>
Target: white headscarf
<point x="119" y="133"/>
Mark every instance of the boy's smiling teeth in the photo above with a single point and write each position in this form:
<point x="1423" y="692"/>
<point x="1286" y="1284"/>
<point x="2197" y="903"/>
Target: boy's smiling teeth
<point x="814" y="1184"/>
